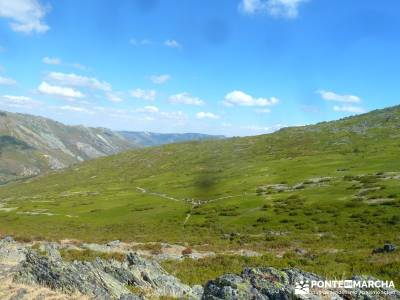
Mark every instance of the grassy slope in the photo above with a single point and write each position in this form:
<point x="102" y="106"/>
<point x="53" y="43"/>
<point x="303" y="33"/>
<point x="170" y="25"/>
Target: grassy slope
<point x="99" y="200"/>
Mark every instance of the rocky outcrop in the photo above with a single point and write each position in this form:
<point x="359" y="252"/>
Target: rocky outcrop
<point x="25" y="272"/>
<point x="11" y="253"/>
<point x="273" y="284"/>
<point x="103" y="279"/>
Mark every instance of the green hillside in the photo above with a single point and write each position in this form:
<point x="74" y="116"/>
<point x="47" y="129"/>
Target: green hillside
<point x="331" y="189"/>
<point x="32" y="145"/>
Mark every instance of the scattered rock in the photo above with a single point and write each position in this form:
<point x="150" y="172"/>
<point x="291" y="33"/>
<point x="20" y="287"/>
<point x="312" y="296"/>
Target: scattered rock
<point x="299" y="186"/>
<point x="387" y="248"/>
<point x="114" y="243"/>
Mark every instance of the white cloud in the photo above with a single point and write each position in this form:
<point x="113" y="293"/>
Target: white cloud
<point x="331" y="96"/>
<point x="18" y="101"/>
<point x="172" y="44"/>
<point x="51" y="60"/>
<point x="144" y="94"/>
<point x="7" y="81"/>
<point x="160" y="79"/>
<point x="276" y="8"/>
<point x="75" y="109"/>
<point x="54" y="90"/>
<point x="25" y="15"/>
<point x="148" y="109"/>
<point x="349" y="109"/>
<point x="185" y="98"/>
<point x="80" y="81"/>
<point x="206" y="115"/>
<point x="113" y="97"/>
<point x="242" y="99"/>
<point x="57" y="61"/>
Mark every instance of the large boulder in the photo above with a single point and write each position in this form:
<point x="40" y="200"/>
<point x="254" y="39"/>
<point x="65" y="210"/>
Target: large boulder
<point x="103" y="279"/>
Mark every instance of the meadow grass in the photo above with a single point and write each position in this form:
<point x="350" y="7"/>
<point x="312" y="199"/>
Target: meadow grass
<point x="212" y="196"/>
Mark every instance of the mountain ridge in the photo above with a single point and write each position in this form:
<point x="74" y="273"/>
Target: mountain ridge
<point x="51" y="145"/>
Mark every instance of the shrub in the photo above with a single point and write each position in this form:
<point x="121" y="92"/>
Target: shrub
<point x="262" y="220"/>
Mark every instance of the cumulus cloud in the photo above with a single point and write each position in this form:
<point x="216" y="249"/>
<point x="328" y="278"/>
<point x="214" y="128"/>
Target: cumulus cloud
<point x="148" y="109"/>
<point x="59" y="91"/>
<point x="331" y="96"/>
<point x="172" y="44"/>
<point x="79" y="81"/>
<point x="349" y="109"/>
<point x="276" y="8"/>
<point x="7" y="81"/>
<point x="185" y="98"/>
<point x="51" y="60"/>
<point x="25" y="15"/>
<point x="160" y="79"/>
<point x="206" y="115"/>
<point x="18" y="101"/>
<point x="144" y="94"/>
<point x="242" y="99"/>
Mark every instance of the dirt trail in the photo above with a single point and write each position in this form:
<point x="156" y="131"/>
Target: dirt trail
<point x="193" y="202"/>
<point x="187" y="219"/>
<point x="144" y="191"/>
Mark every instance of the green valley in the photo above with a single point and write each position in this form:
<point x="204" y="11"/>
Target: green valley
<point x="319" y="197"/>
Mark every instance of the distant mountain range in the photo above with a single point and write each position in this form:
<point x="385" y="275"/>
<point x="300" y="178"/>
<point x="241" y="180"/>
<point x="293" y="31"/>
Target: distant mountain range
<point x="30" y="144"/>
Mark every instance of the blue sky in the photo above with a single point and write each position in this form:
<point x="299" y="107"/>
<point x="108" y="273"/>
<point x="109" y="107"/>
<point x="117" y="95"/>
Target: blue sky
<point x="233" y="67"/>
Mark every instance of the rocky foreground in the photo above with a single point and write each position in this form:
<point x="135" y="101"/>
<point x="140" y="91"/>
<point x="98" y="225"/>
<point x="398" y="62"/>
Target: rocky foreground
<point x="27" y="273"/>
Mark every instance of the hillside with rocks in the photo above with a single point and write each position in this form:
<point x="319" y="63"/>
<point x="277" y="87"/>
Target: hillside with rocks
<point x="324" y="198"/>
<point x="42" y="272"/>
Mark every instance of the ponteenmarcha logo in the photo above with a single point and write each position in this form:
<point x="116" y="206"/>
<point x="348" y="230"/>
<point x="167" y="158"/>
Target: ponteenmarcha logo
<point x="302" y="288"/>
